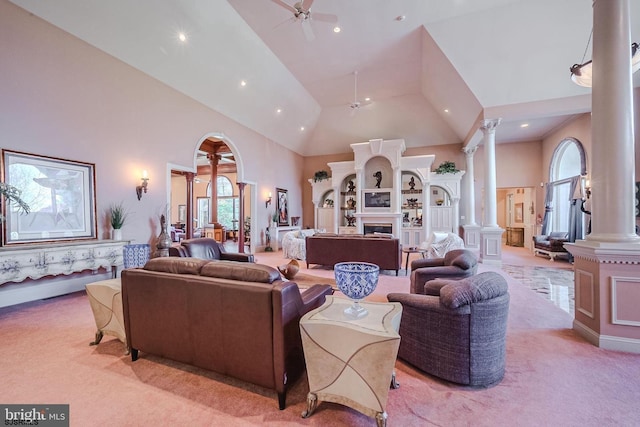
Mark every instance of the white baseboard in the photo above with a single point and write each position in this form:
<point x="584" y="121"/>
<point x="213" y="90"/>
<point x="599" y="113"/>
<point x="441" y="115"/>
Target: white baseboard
<point x="607" y="342"/>
<point x="18" y="293"/>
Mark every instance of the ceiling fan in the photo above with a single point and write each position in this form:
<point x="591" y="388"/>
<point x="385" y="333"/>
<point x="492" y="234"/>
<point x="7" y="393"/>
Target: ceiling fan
<point x="356" y="104"/>
<point x="302" y="13"/>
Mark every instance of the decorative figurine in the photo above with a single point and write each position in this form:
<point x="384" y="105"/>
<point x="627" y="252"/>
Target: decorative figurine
<point x="351" y="220"/>
<point x="351" y="203"/>
<point x="351" y="186"/>
<point x="378" y="177"/>
<point x="412" y="184"/>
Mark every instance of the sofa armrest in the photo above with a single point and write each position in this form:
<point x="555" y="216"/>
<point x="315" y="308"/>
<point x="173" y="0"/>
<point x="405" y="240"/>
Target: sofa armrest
<point x="426" y="262"/>
<point x="425" y="303"/>
<point x="542" y="238"/>
<point x="229" y="256"/>
<point x="314" y="297"/>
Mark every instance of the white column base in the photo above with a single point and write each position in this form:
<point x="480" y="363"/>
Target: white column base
<point x="491" y="245"/>
<point x="471" y="236"/>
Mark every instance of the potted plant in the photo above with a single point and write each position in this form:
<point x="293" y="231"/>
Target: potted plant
<point x="117" y="217"/>
<point x="320" y="176"/>
<point x="12" y="195"/>
<point x="446" y="167"/>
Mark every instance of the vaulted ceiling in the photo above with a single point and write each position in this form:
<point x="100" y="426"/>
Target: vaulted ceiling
<point x="432" y="68"/>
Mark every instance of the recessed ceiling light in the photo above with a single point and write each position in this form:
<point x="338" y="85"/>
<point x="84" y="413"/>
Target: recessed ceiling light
<point x="400" y="18"/>
<point x="524" y="125"/>
<point x="301" y="128"/>
<point x="243" y="83"/>
<point x="182" y="37"/>
<point x="446" y="110"/>
<point x="336" y="29"/>
<point x="279" y="110"/>
<point x="367" y="99"/>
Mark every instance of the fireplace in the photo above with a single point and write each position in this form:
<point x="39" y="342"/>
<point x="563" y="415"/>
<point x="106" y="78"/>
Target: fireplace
<point x="371" y="228"/>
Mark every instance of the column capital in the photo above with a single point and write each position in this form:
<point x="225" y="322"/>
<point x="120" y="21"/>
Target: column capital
<point x="470" y="151"/>
<point x="489" y="125"/>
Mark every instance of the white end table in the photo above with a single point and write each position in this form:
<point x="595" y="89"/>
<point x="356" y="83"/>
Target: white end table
<point x="351" y="362"/>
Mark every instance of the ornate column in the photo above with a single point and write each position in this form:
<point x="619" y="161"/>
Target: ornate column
<point x="607" y="263"/>
<point x="490" y="233"/>
<point x="189" y="220"/>
<point x="241" y="186"/>
<point x="471" y="229"/>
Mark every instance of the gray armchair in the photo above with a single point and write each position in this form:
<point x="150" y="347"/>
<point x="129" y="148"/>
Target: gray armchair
<point x="460" y="335"/>
<point x="456" y="264"/>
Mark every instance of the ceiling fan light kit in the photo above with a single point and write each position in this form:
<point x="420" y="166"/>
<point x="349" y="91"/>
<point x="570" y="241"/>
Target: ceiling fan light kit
<point x="302" y="13"/>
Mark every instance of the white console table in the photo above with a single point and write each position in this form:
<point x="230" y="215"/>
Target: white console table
<point x="54" y="259"/>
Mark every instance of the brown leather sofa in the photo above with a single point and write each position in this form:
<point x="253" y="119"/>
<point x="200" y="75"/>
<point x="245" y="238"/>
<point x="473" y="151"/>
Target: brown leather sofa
<point x="236" y="319"/>
<point x="330" y="249"/>
<point x="207" y="248"/>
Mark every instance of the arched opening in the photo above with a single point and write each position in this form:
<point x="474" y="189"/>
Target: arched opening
<point x="221" y="211"/>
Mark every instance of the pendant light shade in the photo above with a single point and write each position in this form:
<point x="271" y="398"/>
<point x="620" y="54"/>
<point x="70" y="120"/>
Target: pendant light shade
<point x="581" y="74"/>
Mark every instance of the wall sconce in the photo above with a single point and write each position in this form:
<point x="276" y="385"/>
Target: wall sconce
<point x="268" y="201"/>
<point x="143" y="186"/>
<point x="587" y="188"/>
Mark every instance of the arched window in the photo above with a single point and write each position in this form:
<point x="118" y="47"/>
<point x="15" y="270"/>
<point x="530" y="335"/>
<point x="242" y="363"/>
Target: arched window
<point x="567" y="163"/>
<point x="227" y="203"/>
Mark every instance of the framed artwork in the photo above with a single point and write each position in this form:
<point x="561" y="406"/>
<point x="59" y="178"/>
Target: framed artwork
<point x="282" y="206"/>
<point x="60" y="194"/>
<point x="182" y="214"/>
<point x="519" y="212"/>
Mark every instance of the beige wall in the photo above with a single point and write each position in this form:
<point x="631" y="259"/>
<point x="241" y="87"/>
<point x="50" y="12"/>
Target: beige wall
<point x="61" y="97"/>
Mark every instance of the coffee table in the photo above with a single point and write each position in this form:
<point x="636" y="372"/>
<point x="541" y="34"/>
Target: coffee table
<point x="351" y="362"/>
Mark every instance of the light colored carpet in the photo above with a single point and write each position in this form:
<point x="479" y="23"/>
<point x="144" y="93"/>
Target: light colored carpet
<point x="553" y="377"/>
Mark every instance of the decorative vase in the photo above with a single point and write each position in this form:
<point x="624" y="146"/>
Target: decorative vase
<point x="164" y="239"/>
<point x="356" y="280"/>
<point x="290" y="270"/>
<point x="116" y="234"/>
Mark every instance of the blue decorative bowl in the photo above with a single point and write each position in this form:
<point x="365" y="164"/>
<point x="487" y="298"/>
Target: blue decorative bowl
<point x="356" y="280"/>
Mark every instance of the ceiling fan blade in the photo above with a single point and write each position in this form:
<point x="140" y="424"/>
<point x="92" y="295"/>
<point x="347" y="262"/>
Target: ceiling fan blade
<point x="306" y="4"/>
<point x="285" y="5"/>
<point x="308" y="31"/>
<point x="324" y="17"/>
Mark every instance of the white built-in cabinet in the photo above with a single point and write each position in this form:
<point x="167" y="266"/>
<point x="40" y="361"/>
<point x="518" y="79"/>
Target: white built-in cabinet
<point x="403" y="196"/>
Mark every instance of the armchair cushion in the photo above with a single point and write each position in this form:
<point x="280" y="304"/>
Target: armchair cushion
<point x="456" y="293"/>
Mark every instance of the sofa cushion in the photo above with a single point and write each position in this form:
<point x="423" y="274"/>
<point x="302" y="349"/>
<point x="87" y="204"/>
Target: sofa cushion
<point x="242" y="271"/>
<point x="474" y="289"/>
<point x="176" y="265"/>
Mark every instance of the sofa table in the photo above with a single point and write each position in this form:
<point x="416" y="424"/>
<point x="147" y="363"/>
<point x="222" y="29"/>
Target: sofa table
<point x="351" y="362"/>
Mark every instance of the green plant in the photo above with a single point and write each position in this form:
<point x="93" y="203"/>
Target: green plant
<point x="320" y="176"/>
<point x="12" y="194"/>
<point x="118" y="215"/>
<point x="446" y="167"/>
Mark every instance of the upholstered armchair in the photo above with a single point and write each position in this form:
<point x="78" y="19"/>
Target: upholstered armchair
<point x="207" y="248"/>
<point x="294" y="244"/>
<point x="456" y="264"/>
<point x="439" y="244"/>
<point x="460" y="334"/>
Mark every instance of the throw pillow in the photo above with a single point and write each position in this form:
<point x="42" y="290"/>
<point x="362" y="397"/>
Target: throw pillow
<point x="480" y="287"/>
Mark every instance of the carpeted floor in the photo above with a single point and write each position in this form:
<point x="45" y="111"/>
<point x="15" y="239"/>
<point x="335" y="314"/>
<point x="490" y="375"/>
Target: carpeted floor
<point x="553" y="377"/>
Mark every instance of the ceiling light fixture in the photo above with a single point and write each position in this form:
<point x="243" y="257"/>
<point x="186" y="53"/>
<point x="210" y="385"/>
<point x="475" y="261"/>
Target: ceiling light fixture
<point x="182" y="37"/>
<point x="581" y="74"/>
<point x="243" y="83"/>
<point x="279" y="110"/>
<point x="524" y="125"/>
<point x="336" y="29"/>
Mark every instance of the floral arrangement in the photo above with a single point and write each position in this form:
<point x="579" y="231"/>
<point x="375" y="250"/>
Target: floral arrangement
<point x="320" y="176"/>
<point x="446" y="167"/>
